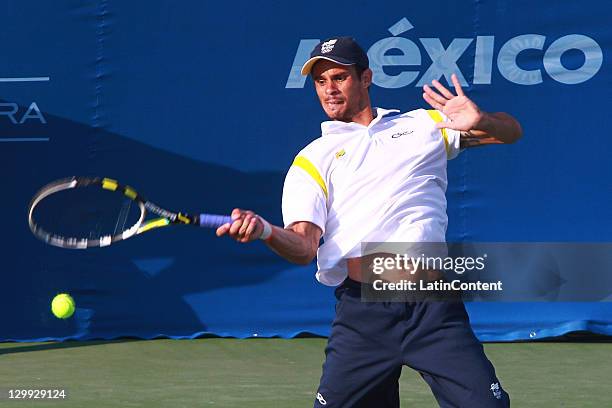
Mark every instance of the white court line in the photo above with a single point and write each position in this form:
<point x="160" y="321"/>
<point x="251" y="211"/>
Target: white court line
<point x="26" y="79"/>
<point x="24" y="139"/>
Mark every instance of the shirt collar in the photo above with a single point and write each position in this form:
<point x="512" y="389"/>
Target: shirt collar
<point x="331" y="127"/>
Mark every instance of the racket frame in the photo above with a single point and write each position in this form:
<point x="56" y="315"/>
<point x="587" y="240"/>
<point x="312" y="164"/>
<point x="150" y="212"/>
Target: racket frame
<point x="165" y="217"/>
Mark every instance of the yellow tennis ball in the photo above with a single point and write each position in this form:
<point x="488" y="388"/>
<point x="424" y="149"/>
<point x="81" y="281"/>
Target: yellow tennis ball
<point x="63" y="306"/>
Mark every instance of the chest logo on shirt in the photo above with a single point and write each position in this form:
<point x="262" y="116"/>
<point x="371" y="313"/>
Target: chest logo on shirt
<point x="340" y="153"/>
<point x="400" y="134"/>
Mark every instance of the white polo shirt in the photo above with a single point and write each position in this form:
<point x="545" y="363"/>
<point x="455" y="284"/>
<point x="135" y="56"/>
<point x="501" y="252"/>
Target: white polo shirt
<point x="385" y="182"/>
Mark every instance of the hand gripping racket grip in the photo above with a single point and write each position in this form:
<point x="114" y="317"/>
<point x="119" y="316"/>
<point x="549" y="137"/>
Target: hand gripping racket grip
<point x="214" y="221"/>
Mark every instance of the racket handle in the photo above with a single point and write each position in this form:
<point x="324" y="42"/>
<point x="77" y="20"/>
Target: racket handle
<point x="214" y="221"/>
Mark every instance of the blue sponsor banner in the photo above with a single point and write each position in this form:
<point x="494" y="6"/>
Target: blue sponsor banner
<point x="200" y="106"/>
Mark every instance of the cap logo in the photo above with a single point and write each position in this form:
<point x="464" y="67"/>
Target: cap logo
<point x="327" y="46"/>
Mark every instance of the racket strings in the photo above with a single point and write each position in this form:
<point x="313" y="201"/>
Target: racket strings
<point x="123" y="217"/>
<point x="85" y="214"/>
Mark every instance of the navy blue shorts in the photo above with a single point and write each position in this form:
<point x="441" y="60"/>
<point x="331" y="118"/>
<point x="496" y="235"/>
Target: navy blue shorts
<point x="370" y="342"/>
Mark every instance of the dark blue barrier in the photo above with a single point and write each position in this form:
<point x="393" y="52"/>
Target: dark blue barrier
<point x="199" y="107"/>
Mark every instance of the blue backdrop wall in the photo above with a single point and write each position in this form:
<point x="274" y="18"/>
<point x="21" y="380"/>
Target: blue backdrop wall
<point x="200" y="105"/>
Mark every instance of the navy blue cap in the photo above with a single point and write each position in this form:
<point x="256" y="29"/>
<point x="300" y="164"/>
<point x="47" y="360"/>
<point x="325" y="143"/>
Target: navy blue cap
<point x="341" y="50"/>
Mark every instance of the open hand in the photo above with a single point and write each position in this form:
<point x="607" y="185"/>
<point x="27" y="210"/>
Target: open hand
<point x="462" y="113"/>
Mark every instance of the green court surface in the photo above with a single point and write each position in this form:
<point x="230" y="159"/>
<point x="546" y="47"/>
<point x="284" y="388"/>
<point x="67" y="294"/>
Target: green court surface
<point x="272" y="373"/>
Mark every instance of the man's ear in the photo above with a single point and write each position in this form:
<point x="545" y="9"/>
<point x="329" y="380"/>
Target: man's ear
<point x="366" y="78"/>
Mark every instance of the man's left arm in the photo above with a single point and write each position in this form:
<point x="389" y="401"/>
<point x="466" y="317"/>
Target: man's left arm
<point x="476" y="126"/>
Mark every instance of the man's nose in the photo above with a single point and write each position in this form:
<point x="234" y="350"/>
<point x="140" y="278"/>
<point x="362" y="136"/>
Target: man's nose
<point x="331" y="88"/>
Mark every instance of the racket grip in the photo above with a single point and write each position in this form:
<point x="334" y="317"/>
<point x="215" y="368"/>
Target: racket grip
<point x="214" y="221"/>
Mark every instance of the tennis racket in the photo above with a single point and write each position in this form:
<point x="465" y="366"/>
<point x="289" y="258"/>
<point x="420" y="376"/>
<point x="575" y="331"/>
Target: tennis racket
<point x="86" y="212"/>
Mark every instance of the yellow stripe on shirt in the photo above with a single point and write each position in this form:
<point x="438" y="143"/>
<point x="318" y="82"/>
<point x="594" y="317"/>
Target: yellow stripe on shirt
<point x="437" y="117"/>
<point x="305" y="164"/>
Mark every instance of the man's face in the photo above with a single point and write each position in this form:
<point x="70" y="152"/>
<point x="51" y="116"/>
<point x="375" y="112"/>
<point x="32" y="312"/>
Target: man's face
<point x="340" y="90"/>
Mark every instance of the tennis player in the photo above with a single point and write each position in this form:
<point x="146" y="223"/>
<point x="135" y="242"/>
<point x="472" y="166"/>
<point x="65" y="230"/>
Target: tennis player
<point x="379" y="175"/>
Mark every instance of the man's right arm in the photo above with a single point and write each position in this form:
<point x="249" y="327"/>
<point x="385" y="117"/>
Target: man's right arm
<point x="304" y="207"/>
<point x="298" y="243"/>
